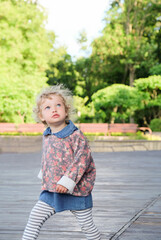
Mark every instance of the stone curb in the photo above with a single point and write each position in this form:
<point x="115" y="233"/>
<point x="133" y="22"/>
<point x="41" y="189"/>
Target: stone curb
<point x="20" y="144"/>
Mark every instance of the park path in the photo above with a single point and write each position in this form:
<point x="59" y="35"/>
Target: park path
<point x="127" y="200"/>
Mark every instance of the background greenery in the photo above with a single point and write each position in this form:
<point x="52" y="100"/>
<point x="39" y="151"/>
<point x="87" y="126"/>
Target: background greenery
<point x="120" y="81"/>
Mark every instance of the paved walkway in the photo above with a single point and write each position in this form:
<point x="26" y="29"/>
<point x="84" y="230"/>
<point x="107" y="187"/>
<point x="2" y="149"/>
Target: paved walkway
<point x="127" y="200"/>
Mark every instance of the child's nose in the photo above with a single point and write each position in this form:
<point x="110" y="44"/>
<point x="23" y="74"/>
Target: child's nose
<point x="54" y="109"/>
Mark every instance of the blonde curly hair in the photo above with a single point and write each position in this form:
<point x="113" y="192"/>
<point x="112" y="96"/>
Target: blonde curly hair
<point x="58" y="90"/>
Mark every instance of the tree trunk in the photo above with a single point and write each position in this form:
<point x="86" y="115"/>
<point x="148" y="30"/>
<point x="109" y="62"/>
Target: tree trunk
<point x="131" y="75"/>
<point x="125" y="74"/>
<point x="21" y="116"/>
<point x="145" y="121"/>
<point x="131" y="119"/>
<point x="113" y="118"/>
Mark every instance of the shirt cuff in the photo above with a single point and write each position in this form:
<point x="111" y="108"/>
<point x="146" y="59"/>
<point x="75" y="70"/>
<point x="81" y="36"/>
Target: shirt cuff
<point x="40" y="175"/>
<point x="68" y="183"/>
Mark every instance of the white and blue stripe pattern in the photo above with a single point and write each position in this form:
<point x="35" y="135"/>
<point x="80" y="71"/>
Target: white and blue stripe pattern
<point x="42" y="211"/>
<point x="39" y="214"/>
<point x="88" y="227"/>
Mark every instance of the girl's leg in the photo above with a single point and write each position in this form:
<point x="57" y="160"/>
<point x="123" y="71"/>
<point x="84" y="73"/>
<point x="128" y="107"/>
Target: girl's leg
<point x="85" y="220"/>
<point x="39" y="214"/>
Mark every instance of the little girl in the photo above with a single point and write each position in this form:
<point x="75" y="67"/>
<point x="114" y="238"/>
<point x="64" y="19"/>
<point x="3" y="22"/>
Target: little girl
<point x="68" y="170"/>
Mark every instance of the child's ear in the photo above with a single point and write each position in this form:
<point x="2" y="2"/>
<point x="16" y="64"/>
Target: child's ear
<point x="41" y="118"/>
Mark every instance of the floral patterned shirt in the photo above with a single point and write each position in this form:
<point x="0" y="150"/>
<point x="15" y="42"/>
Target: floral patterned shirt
<point x="68" y="159"/>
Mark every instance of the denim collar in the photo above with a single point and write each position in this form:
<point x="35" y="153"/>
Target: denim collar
<point x="65" y="132"/>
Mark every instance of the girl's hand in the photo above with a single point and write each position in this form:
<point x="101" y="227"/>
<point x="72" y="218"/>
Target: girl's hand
<point x="61" y="189"/>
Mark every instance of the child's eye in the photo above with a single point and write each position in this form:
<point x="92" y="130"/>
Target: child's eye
<point x="47" y="107"/>
<point x="58" y="105"/>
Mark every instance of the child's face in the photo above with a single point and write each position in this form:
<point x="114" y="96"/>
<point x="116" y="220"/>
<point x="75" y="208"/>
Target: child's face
<point x="53" y="111"/>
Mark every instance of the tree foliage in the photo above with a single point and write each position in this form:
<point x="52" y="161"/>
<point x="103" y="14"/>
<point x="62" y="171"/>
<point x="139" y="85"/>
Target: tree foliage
<point x="82" y="40"/>
<point x="151" y="107"/>
<point x="155" y="70"/>
<point x="24" y="46"/>
<point x="128" y="48"/>
<point x="87" y="83"/>
<point x="116" y="103"/>
<point x="62" y="71"/>
<point x="85" y="112"/>
<point x="128" y="41"/>
<point x="155" y="125"/>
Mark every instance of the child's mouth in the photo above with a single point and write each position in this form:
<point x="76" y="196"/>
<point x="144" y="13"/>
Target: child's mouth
<point x="55" y="116"/>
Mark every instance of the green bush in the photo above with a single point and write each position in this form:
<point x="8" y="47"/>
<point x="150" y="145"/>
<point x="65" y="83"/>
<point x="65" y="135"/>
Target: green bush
<point x="117" y="134"/>
<point x="93" y="134"/>
<point x="155" y="125"/>
<point x="20" y="133"/>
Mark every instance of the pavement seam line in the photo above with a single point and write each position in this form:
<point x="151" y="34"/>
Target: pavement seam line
<point x="133" y="219"/>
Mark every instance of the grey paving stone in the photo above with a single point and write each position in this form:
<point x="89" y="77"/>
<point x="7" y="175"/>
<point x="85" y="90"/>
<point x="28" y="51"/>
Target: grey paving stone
<point x="127" y="182"/>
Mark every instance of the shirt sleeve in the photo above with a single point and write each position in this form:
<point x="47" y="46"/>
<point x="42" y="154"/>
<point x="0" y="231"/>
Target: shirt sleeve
<point x="82" y="159"/>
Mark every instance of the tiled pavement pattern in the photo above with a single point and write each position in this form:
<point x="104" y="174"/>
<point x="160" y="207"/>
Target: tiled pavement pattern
<point x="127" y="200"/>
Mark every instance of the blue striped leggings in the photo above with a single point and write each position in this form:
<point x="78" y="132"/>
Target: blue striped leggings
<point x="42" y="211"/>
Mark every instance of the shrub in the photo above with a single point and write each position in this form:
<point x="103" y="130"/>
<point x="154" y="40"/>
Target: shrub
<point x="20" y="133"/>
<point x="93" y="134"/>
<point x="155" y="125"/>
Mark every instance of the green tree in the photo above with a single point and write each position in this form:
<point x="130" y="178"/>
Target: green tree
<point x="107" y="53"/>
<point x="128" y="40"/>
<point x="24" y="49"/>
<point x="82" y="40"/>
<point x="116" y="103"/>
<point x="62" y="70"/>
<point x="155" y="70"/>
<point x="158" y="40"/>
<point x="85" y="112"/>
<point x="151" y="107"/>
<point x="155" y="125"/>
<point x="87" y="84"/>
